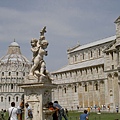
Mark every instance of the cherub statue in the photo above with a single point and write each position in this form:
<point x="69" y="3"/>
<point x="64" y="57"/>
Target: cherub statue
<point x="38" y="49"/>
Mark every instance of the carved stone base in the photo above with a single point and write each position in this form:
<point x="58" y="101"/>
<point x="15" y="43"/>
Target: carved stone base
<point x="38" y="95"/>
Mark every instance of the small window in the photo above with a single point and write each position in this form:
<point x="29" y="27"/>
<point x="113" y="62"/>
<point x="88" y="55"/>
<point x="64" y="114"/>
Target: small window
<point x="9" y="99"/>
<point x="83" y="56"/>
<point x="16" y="73"/>
<point x="85" y="87"/>
<point x="16" y="99"/>
<point x="11" y="86"/>
<point x="70" y="74"/>
<point x="111" y="55"/>
<point x="75" y="58"/>
<point x="96" y="86"/>
<point x="112" y="67"/>
<point x="2" y="73"/>
<point x="56" y="77"/>
<point x="65" y="90"/>
<point x="97" y="69"/>
<point x="9" y="73"/>
<point x="75" y="89"/>
<point x="91" y="54"/>
<point x="1" y="99"/>
<point x="66" y="75"/>
<point x="91" y="71"/>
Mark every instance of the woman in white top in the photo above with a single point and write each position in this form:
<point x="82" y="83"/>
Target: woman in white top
<point x="13" y="112"/>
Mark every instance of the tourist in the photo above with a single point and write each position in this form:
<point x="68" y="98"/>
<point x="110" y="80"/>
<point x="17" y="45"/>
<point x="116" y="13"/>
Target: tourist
<point x="77" y="107"/>
<point x="117" y="109"/>
<point x="60" y="111"/>
<point x="19" y="113"/>
<point x="108" y="108"/>
<point x="13" y="112"/>
<point x="21" y="109"/>
<point x="55" y="115"/>
<point x="29" y="114"/>
<point x="88" y="110"/>
<point x="84" y="116"/>
<point x="99" y="109"/>
<point x="66" y="111"/>
<point x="2" y="114"/>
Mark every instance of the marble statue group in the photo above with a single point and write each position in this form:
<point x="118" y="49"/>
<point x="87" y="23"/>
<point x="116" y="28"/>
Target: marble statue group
<point x="38" y="48"/>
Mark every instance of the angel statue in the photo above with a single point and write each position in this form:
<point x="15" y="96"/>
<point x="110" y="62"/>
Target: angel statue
<point x="38" y="48"/>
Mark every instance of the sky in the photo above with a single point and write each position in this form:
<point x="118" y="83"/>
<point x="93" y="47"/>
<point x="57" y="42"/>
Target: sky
<point x="68" y="23"/>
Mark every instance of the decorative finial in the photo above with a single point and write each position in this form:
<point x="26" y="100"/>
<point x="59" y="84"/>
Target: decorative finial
<point x="43" y="31"/>
<point x="14" y="39"/>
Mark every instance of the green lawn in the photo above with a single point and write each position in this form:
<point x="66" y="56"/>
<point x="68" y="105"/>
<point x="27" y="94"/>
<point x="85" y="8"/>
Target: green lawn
<point x="74" y="115"/>
<point x="94" y="116"/>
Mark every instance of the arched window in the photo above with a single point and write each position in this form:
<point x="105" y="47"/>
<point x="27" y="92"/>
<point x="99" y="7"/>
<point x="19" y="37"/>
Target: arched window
<point x="111" y="55"/>
<point x="75" y="58"/>
<point x="65" y="90"/>
<point x="96" y="86"/>
<point x="2" y="73"/>
<point x="16" y="73"/>
<point x="91" y="71"/>
<point x="1" y="99"/>
<point x="11" y="86"/>
<point x="9" y="99"/>
<point x="75" y="89"/>
<point x="83" y="56"/>
<point x="91" y="54"/>
<point x="66" y="75"/>
<point x="85" y="87"/>
<point x="16" y="99"/>
<point x="70" y="74"/>
<point x="9" y="73"/>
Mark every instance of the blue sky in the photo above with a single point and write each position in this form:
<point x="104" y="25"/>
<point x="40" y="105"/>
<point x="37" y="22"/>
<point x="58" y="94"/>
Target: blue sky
<point x="68" y="22"/>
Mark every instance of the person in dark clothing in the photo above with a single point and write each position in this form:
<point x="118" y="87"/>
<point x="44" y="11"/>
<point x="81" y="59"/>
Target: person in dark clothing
<point x="66" y="111"/>
<point x="61" y="111"/>
<point x="50" y="107"/>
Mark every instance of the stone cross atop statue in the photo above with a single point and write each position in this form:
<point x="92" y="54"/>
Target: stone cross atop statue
<point x="38" y="69"/>
<point x="43" y="31"/>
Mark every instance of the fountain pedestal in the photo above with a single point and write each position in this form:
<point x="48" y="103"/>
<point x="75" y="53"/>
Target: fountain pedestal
<point x="38" y="95"/>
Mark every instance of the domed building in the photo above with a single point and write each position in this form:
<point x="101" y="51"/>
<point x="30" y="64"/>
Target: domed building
<point x="14" y="67"/>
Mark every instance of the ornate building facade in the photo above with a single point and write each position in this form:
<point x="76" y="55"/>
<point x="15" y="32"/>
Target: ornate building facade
<point x="14" y="68"/>
<point x="92" y="76"/>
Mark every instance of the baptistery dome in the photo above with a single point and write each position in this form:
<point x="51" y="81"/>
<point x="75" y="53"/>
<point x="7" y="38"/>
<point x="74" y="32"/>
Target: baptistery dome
<point x="14" y="60"/>
<point x="14" y="68"/>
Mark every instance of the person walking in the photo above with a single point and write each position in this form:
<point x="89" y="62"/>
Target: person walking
<point x="117" y="109"/>
<point x="66" y="111"/>
<point x="61" y="111"/>
<point x="84" y="116"/>
<point x="13" y="112"/>
<point x="29" y="114"/>
<point x="2" y="114"/>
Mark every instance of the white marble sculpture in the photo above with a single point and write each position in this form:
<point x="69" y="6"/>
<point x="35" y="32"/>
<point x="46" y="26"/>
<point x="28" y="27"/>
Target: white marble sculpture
<point x="38" y="68"/>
